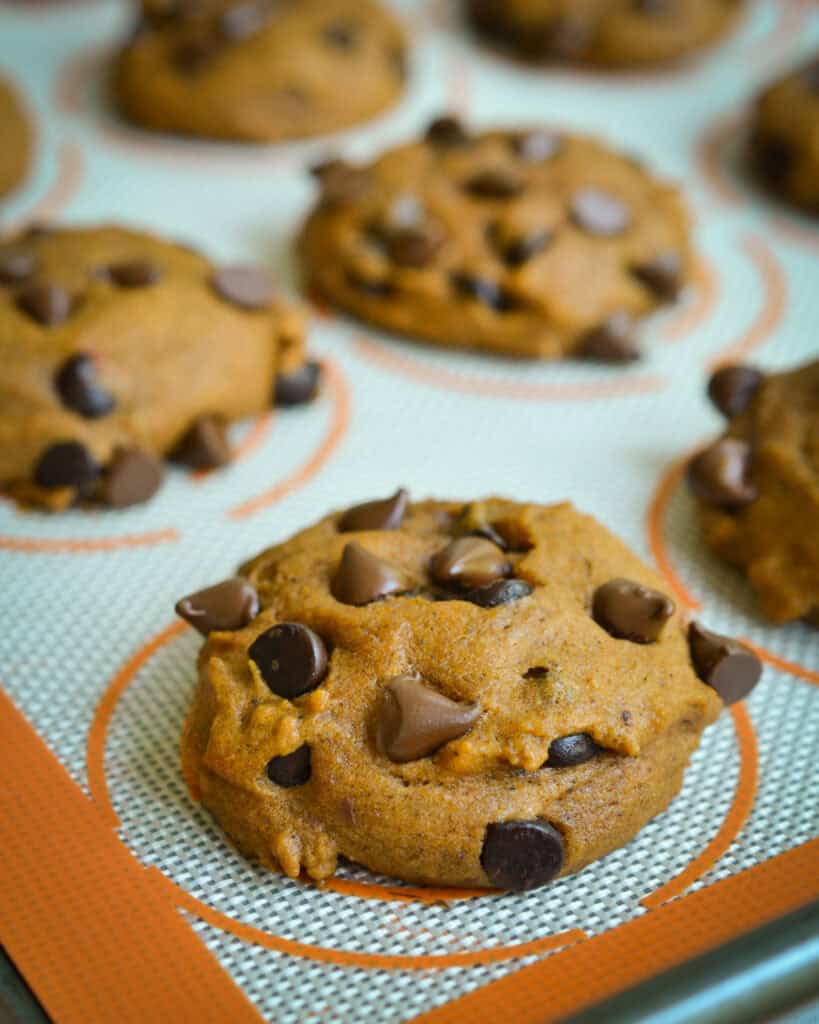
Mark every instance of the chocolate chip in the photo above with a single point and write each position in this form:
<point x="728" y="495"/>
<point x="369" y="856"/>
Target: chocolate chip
<point x="719" y="475"/>
<point x="571" y="750"/>
<point x="536" y="146"/>
<point x="490" y="293"/>
<point x="16" y="265"/>
<point x="225" y="606"/>
<point x="662" y="275"/>
<point x="205" y="445"/>
<point x="473" y="522"/>
<point x="48" y="304"/>
<point x="291" y="658"/>
<point x="414" y="720"/>
<point x="495" y="183"/>
<point x="67" y="464"/>
<point x="291" y="769"/>
<point x="341" y="34"/>
<point x="385" y="514"/>
<point x="447" y="132"/>
<point x="76" y="384"/>
<point x="244" y="285"/>
<point x="341" y="182"/>
<point x="413" y="247"/>
<point x="375" y="289"/>
<point x="242" y="21"/>
<point x="469" y="562"/>
<point x="729" y="666"/>
<point x="490" y="595"/>
<point x="131" y="477"/>
<point x="134" y="273"/>
<point x="630" y="611"/>
<point x="598" y="212"/>
<point x="521" y="251"/>
<point x="362" y="577"/>
<point x="773" y="160"/>
<point x="193" y="55"/>
<point x="520" y="855"/>
<point x="298" y="386"/>
<point x="611" y="342"/>
<point x="732" y="388"/>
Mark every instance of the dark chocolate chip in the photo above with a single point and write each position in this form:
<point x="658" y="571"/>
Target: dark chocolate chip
<point x="244" y="285"/>
<point x="48" y="304"/>
<point x="490" y="595"/>
<point x="341" y="34"/>
<point x="469" y="562"/>
<point x="729" y="666"/>
<point x="473" y="521"/>
<point x="205" y="445"/>
<point x="291" y="658"/>
<point x="226" y="606"/>
<point x="611" y="342"/>
<point x="67" y="464"/>
<point x="599" y="213"/>
<point x="291" y="769"/>
<point x="16" y="266"/>
<point x="536" y="146"/>
<point x="495" y="183"/>
<point x="362" y="577"/>
<point x="134" y="273"/>
<point x="490" y="293"/>
<point x="374" y="288"/>
<point x="130" y="478"/>
<point x="773" y="160"/>
<point x="521" y="251"/>
<point x="630" y="611"/>
<point x="570" y="750"/>
<point x="520" y="855"/>
<point x="732" y="388"/>
<point x="384" y="514"/>
<point x="191" y="56"/>
<point x="413" y="247"/>
<point x="719" y="474"/>
<point x="662" y="275"/>
<point x="297" y="386"/>
<point x="341" y="182"/>
<point x="414" y="720"/>
<point x="76" y="384"/>
<point x="447" y="132"/>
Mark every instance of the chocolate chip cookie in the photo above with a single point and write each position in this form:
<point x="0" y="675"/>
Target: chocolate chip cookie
<point x="16" y="133"/>
<point x="613" y="33"/>
<point x="529" y="243"/>
<point x="260" y="70"/>
<point x="119" y="348"/>
<point x="785" y="137"/>
<point x="490" y="694"/>
<point x="758" y="485"/>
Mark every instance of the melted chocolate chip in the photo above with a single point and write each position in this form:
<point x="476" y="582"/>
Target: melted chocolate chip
<point x="16" y="265"/>
<point x="490" y="293"/>
<point x="725" y="664"/>
<point x="291" y="769"/>
<point x="521" y="855"/>
<point x="362" y="577"/>
<point x="48" y="304"/>
<point x="414" y="720"/>
<point x="76" y="384"/>
<point x="447" y="132"/>
<point x="130" y="478"/>
<point x="245" y="286"/>
<point x="662" y="275"/>
<point x="67" y="464"/>
<point x="298" y="386"/>
<point x="291" y="658"/>
<point x="226" y="606"/>
<point x="495" y="183"/>
<point x="774" y="160"/>
<point x="599" y="213"/>
<point x="490" y="595"/>
<point x="134" y="273"/>
<point x="205" y="445"/>
<point x="384" y="514"/>
<point x="732" y="389"/>
<point x="413" y="247"/>
<point x="630" y="611"/>
<point x="469" y="562"/>
<point x="571" y="750"/>
<point x="521" y="251"/>
<point x="719" y="474"/>
<point x="611" y="342"/>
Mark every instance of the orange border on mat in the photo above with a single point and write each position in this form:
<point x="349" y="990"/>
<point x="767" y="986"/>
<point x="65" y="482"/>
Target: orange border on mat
<point x="692" y="316"/>
<point x="84" y="546"/>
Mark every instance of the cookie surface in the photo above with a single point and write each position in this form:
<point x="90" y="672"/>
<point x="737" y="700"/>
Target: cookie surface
<point x="16" y="132"/>
<point x="758" y="486"/>
<point x="616" y="33"/>
<point x="260" y="71"/>
<point x="785" y="137"/>
<point x="481" y="695"/>
<point x="119" y="348"/>
<point x="533" y="243"/>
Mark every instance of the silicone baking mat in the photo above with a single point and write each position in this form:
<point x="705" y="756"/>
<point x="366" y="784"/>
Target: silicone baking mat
<point x="119" y="898"/>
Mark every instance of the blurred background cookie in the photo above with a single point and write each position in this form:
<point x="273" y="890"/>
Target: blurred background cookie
<point x="17" y="138"/>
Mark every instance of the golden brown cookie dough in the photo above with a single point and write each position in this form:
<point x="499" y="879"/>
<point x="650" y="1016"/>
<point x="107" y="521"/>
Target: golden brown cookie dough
<point x="17" y="136"/>
<point x="118" y="348"/>
<point x="785" y="137"/>
<point x="260" y="70"/>
<point x="528" y="243"/>
<point x="758" y="485"/>
<point x="480" y="695"/>
<point x="613" y="33"/>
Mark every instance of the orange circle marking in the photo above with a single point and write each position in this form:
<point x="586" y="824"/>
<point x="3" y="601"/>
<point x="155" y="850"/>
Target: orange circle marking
<point x="339" y="390"/>
<point x="693" y="316"/>
<point x="451" y="380"/>
<point x="709" y="157"/>
<point x="655" y="526"/>
<point x="68" y="546"/>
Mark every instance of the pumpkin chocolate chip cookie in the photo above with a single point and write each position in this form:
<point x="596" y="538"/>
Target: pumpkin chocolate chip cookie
<point x="16" y="133"/>
<point x="503" y="686"/>
<point x="260" y="70"/>
<point x="613" y="33"/>
<point x="118" y="349"/>
<point x="758" y="485"/>
<point x="529" y="243"/>
<point x="785" y="137"/>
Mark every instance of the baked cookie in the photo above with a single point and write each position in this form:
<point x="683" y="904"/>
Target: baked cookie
<point x="119" y="348"/>
<point x="260" y="70"/>
<point x="611" y="33"/>
<point x="528" y="243"/>
<point x="758" y="485"/>
<point x="16" y="133"/>
<point x="503" y="686"/>
<point x="785" y="137"/>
